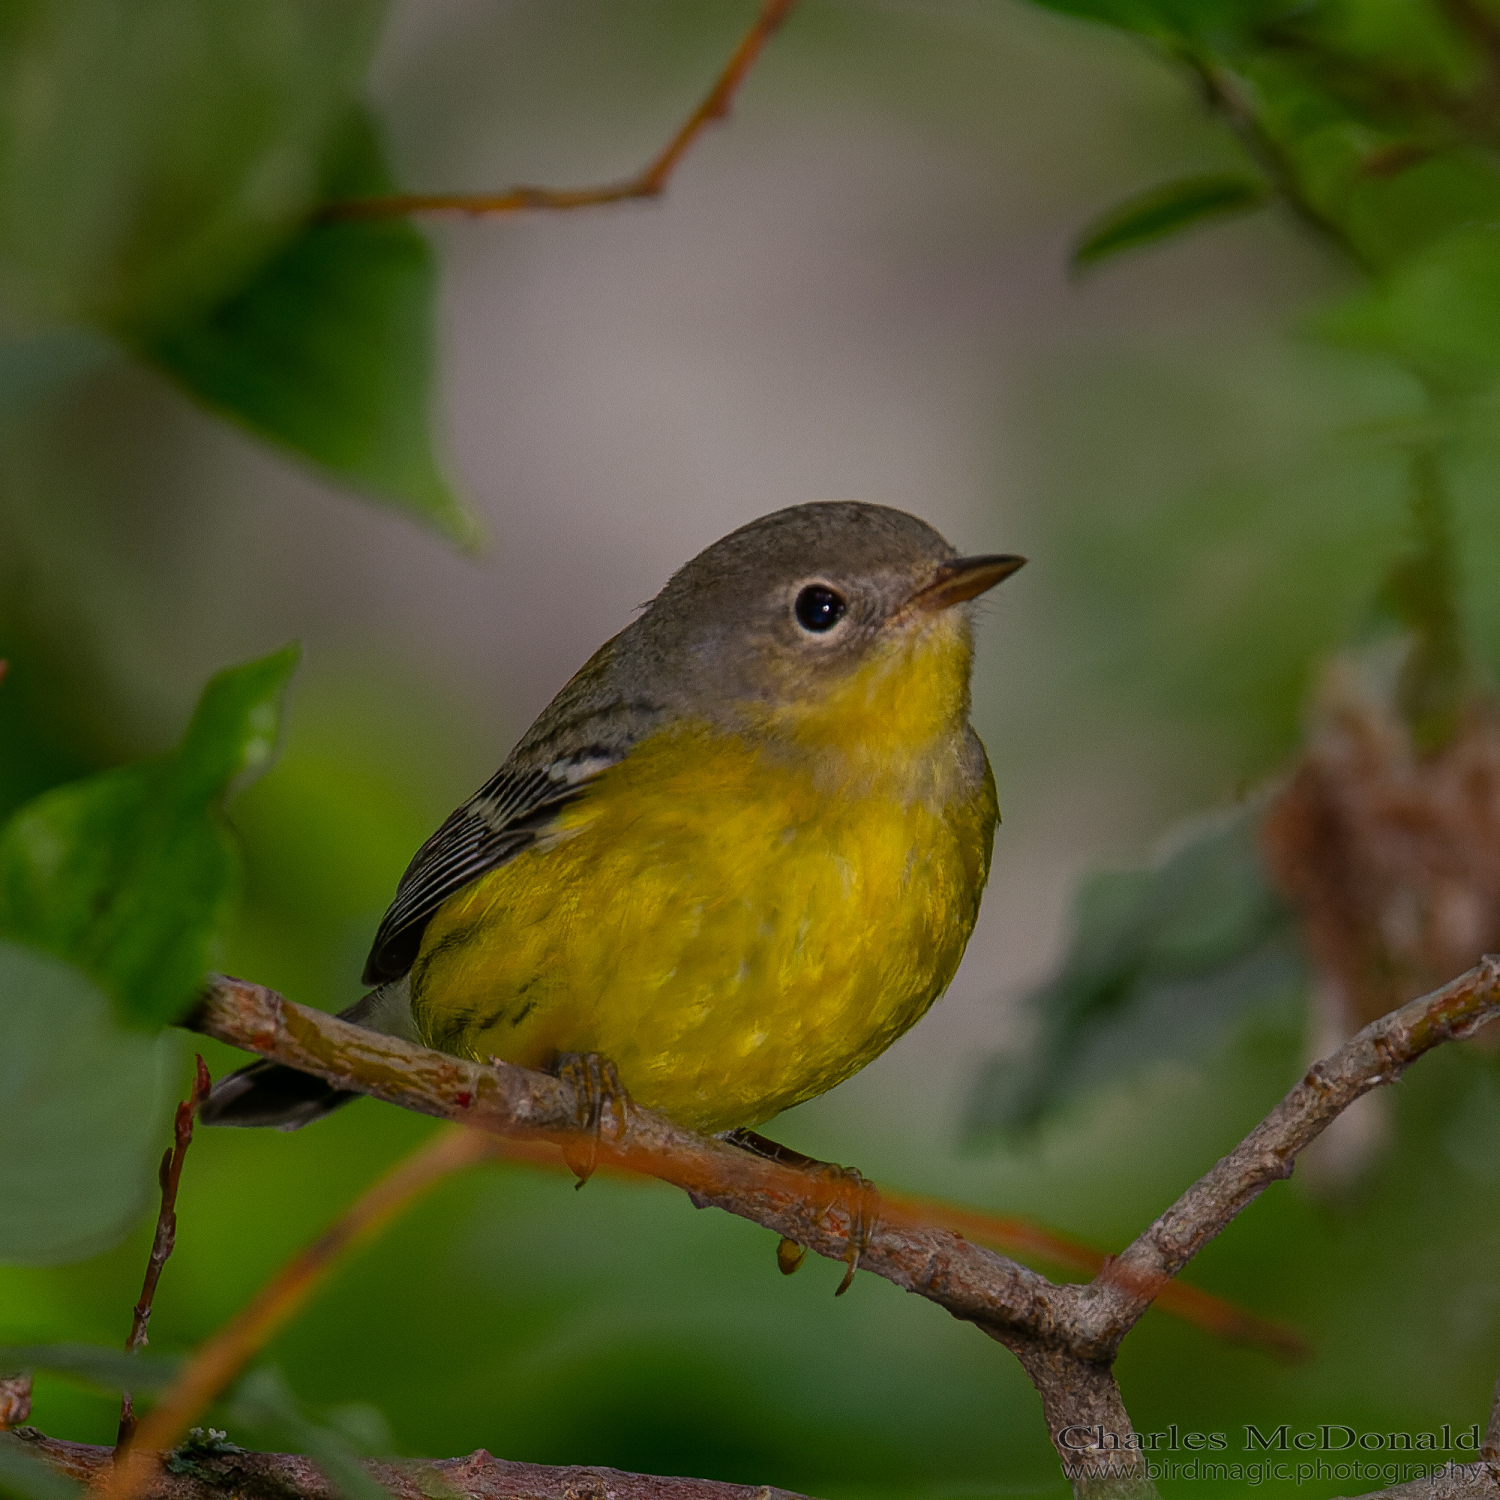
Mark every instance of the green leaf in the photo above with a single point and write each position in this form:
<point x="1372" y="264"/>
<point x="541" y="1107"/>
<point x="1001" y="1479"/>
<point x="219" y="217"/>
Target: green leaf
<point x="127" y="874"/>
<point x="154" y="153"/>
<point x="1160" y="211"/>
<point x="1164" y="962"/>
<point x="26" y="1477"/>
<point x="1438" y="314"/>
<point x="160" y="166"/>
<point x="264" y="1400"/>
<point x="83" y="1117"/>
<point x="329" y="352"/>
<point x="110" y="1370"/>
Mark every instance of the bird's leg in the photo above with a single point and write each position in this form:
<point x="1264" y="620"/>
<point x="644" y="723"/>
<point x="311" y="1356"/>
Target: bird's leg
<point x="860" y="1201"/>
<point x="769" y="1150"/>
<point x="596" y="1090"/>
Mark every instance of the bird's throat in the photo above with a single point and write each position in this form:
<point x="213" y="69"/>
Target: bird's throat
<point x="906" y="703"/>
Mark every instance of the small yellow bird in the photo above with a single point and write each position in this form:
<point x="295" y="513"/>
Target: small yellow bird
<point x="738" y="855"/>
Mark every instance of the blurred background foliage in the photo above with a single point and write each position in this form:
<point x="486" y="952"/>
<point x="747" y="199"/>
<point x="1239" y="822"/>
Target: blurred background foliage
<point x="940" y="258"/>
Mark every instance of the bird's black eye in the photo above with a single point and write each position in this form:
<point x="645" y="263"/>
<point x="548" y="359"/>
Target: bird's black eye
<point x="819" y="608"/>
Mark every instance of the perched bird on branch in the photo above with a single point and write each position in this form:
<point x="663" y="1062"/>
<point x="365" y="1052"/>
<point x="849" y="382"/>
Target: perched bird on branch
<point x="737" y="856"/>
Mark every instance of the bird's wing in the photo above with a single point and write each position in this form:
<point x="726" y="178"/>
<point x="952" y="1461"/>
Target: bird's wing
<point x="505" y="816"/>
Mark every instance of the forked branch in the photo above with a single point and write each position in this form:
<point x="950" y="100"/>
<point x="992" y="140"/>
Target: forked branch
<point x="1378" y="1055"/>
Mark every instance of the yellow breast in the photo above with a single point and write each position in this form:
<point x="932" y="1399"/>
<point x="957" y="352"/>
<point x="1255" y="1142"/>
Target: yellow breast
<point x="739" y="921"/>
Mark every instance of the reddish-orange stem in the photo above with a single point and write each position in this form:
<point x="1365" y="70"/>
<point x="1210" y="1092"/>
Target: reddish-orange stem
<point x="1021" y="1237"/>
<point x="650" y="182"/>
<point x="1015" y="1236"/>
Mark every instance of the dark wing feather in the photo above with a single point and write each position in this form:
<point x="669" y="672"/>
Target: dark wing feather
<point x="505" y="816"/>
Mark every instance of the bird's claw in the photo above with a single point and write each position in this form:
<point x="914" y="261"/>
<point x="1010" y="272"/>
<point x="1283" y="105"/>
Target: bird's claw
<point x="597" y="1090"/>
<point x="852" y="1191"/>
<point x="861" y="1202"/>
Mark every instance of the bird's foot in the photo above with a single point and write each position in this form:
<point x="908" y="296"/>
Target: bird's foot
<point x="861" y="1202"/>
<point x="597" y="1091"/>
<point x="852" y="1191"/>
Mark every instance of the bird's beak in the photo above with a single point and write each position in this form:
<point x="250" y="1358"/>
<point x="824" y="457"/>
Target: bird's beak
<point x="963" y="578"/>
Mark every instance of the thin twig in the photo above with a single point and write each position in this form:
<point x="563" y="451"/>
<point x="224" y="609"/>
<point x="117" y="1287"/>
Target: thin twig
<point x="223" y="1356"/>
<point x="169" y="1175"/>
<point x="649" y="182"/>
<point x="1226" y="94"/>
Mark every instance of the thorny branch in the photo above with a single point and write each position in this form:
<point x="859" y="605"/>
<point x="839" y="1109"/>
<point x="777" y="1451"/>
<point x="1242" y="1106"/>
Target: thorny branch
<point x="1066" y="1337"/>
<point x="649" y="182"/>
<point x="169" y="1175"/>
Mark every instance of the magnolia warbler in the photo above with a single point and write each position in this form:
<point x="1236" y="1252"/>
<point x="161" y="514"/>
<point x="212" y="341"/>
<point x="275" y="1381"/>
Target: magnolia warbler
<point x="738" y="855"/>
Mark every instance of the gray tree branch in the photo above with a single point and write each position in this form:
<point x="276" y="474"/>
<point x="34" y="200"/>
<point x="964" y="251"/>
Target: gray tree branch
<point x="289" y="1476"/>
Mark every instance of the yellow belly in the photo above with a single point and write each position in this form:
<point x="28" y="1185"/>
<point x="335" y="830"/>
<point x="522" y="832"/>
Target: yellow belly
<point x="736" y="935"/>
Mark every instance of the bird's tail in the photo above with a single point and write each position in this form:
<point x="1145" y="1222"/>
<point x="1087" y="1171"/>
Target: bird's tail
<point x="272" y="1095"/>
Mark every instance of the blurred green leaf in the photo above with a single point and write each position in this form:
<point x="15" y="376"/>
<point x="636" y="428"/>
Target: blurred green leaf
<point x="1163" y="963"/>
<point x="80" y="1129"/>
<point x="264" y="1400"/>
<point x="1164" y="210"/>
<point x="27" y="1478"/>
<point x="329" y="352"/>
<point x="1365" y="125"/>
<point x="1174" y="20"/>
<point x="1389" y="39"/>
<point x="1439" y="313"/>
<point x="127" y="874"/>
<point x="1403" y="214"/>
<point x="153" y="154"/>
<point x="110" y="1370"/>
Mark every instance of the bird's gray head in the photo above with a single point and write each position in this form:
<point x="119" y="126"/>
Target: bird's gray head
<point x="787" y="608"/>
